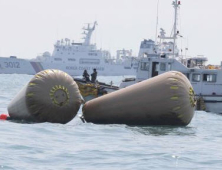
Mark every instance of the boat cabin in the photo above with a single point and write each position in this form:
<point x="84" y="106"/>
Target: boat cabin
<point x="195" y="62"/>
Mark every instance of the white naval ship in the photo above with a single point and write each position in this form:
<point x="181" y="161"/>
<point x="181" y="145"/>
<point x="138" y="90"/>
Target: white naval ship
<point x="74" y="58"/>
<point x="157" y="58"/>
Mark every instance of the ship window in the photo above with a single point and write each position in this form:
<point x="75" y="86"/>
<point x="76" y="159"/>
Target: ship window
<point x="209" y="77"/>
<point x="89" y="61"/>
<point x="169" y="66"/>
<point x="144" y="66"/>
<point x="93" y="54"/>
<point x="57" y="59"/>
<point x="162" y="66"/>
<point x="71" y="59"/>
<point x="196" y="77"/>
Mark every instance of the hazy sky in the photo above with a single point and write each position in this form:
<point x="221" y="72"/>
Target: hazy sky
<point x="31" y="27"/>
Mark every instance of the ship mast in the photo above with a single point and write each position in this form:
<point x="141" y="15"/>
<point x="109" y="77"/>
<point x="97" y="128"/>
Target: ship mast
<point x="162" y="36"/>
<point x="88" y="33"/>
<point x="176" y="5"/>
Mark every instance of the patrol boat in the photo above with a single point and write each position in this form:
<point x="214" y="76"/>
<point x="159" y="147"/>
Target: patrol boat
<point x="163" y="56"/>
<point x="74" y="58"/>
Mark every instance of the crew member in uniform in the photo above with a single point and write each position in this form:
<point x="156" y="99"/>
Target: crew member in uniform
<point x="93" y="76"/>
<point x="86" y="75"/>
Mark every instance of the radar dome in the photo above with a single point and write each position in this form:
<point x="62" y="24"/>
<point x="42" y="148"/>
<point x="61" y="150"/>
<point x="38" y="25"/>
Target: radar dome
<point x="46" y="54"/>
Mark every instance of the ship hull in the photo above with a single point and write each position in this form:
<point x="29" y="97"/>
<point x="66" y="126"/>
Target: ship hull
<point x="211" y="103"/>
<point x="23" y="66"/>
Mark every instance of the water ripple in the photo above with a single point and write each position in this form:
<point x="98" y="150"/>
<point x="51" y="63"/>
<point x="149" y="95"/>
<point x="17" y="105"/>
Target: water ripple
<point x="78" y="145"/>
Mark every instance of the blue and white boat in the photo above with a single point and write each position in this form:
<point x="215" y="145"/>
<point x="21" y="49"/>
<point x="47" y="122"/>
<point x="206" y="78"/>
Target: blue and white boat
<point x="159" y="57"/>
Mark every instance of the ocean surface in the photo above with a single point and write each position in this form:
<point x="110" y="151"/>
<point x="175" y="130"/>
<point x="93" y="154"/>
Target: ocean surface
<point x="77" y="145"/>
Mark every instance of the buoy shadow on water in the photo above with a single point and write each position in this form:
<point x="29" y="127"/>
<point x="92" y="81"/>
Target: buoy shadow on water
<point x="167" y="99"/>
<point x="163" y="130"/>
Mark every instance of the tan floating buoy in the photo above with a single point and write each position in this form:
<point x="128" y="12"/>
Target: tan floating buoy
<point x="50" y="96"/>
<point x="167" y="99"/>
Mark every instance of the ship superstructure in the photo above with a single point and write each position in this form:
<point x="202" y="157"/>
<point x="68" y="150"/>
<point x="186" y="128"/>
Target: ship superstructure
<point x="74" y="58"/>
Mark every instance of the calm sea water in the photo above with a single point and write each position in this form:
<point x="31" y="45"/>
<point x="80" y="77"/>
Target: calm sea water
<point x="76" y="145"/>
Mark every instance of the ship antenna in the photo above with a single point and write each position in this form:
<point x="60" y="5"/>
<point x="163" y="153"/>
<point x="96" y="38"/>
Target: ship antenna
<point x="89" y="33"/>
<point x="157" y="18"/>
<point x="176" y="5"/>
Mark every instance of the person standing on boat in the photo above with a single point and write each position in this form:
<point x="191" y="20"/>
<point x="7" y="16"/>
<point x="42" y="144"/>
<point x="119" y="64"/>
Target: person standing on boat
<point x="93" y="76"/>
<point x="86" y="75"/>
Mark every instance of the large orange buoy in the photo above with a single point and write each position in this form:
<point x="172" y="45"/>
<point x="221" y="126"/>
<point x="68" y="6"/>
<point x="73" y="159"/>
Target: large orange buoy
<point x="50" y="96"/>
<point x="167" y="99"/>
